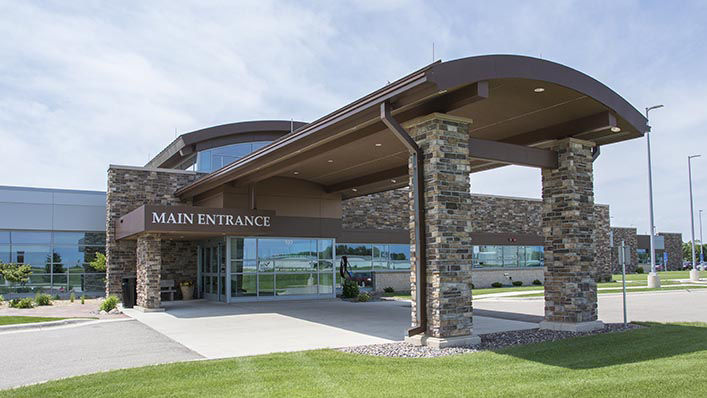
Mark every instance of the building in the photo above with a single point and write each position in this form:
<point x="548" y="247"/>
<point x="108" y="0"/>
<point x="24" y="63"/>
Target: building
<point x="265" y="210"/>
<point x="58" y="233"/>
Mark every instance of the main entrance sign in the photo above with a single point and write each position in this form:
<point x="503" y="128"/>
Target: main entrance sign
<point x="193" y="219"/>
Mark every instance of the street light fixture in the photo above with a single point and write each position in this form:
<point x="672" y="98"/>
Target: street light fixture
<point x="702" y="243"/>
<point x="694" y="274"/>
<point x="653" y="279"/>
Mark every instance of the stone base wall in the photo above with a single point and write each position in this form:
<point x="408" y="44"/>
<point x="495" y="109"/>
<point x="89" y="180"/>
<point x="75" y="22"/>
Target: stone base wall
<point x="630" y="238"/>
<point x="483" y="278"/>
<point x="602" y="240"/>
<point x="129" y="188"/>
<point x="384" y="210"/>
<point x="179" y="263"/>
<point x="399" y="281"/>
<point x="673" y="246"/>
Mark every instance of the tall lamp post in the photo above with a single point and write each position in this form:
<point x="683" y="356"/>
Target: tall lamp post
<point x="694" y="274"/>
<point x="653" y="279"/>
<point x="702" y="243"/>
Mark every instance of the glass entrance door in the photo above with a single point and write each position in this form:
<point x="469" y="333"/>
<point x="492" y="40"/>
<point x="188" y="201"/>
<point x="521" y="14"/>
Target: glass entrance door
<point x="213" y="274"/>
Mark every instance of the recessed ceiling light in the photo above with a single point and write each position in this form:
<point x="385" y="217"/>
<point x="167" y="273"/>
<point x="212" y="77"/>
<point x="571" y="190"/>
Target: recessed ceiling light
<point x="330" y="161"/>
<point x="379" y="144"/>
<point x="615" y="129"/>
<point x="538" y="89"/>
<point x="393" y="181"/>
<point x="295" y="172"/>
<point x="354" y="189"/>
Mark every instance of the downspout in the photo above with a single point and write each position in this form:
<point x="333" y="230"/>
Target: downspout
<point x="418" y="192"/>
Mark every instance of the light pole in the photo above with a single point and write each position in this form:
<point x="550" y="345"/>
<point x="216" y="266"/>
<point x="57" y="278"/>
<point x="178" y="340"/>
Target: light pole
<point x="653" y="279"/>
<point x="694" y="274"/>
<point x="702" y="243"/>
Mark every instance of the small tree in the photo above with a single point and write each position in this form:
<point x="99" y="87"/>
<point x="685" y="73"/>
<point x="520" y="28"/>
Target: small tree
<point x="99" y="263"/>
<point x="15" y="273"/>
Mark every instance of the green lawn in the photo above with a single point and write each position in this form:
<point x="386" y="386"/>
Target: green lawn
<point x="628" y="291"/>
<point x="659" y="360"/>
<point x="14" y="320"/>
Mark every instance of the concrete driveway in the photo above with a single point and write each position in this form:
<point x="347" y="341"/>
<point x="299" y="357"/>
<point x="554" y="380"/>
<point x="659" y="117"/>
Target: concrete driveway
<point x="33" y="356"/>
<point x="217" y="330"/>
<point x="667" y="306"/>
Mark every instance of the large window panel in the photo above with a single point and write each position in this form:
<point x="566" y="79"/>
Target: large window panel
<point x="80" y="238"/>
<point x="243" y="249"/>
<point x="534" y="256"/>
<point x="399" y="257"/>
<point x="359" y="256"/>
<point x="5" y="253"/>
<point x="244" y="285"/>
<point x="4" y="237"/>
<point x="380" y="257"/>
<point x="490" y="256"/>
<point x="296" y="284"/>
<point x="30" y="237"/>
<point x="37" y="256"/>
<point x="326" y="281"/>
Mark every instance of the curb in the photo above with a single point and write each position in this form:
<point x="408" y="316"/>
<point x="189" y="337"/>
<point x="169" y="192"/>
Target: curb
<point x="43" y="325"/>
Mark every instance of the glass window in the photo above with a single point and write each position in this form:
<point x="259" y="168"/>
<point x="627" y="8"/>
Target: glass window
<point x="534" y="256"/>
<point x="296" y="284"/>
<point x="4" y="236"/>
<point x="510" y="256"/>
<point x="80" y="238"/>
<point x="244" y="285"/>
<point x="380" y="257"/>
<point x="399" y="257"/>
<point x="287" y="255"/>
<point x="213" y="159"/>
<point x="326" y="283"/>
<point x="243" y="249"/>
<point x="359" y="255"/>
<point x="266" y="284"/>
<point x="489" y="256"/>
<point x="643" y="256"/>
<point x="31" y="237"/>
<point x="238" y="266"/>
<point x="5" y="253"/>
<point x="34" y="255"/>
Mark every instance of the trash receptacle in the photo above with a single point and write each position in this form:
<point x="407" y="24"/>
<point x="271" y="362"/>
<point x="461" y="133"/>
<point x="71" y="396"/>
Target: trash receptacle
<point x="129" y="292"/>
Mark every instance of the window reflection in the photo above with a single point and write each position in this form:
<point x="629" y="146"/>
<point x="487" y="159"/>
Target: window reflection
<point x="212" y="159"/>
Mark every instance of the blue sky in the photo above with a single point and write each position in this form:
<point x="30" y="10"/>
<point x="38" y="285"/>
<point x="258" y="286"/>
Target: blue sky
<point x="85" y="84"/>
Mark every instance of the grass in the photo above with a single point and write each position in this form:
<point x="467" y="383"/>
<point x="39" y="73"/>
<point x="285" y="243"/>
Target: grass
<point x="628" y="291"/>
<point x="616" y="364"/>
<point x="15" y="320"/>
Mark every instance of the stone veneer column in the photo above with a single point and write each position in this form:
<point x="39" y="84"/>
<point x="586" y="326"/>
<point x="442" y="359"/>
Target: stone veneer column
<point x="149" y="269"/>
<point x="568" y="226"/>
<point x="444" y="141"/>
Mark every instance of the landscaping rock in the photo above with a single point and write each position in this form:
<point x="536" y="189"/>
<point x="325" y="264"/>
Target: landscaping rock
<point x="491" y="341"/>
<point x="101" y="312"/>
<point x="114" y="311"/>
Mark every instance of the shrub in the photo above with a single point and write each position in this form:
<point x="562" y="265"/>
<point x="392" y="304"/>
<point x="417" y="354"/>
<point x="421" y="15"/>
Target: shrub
<point x="72" y="297"/>
<point x="22" y="303"/>
<point x="389" y="290"/>
<point x="537" y="282"/>
<point x="639" y="270"/>
<point x="350" y="289"/>
<point x="83" y="299"/>
<point x="56" y="297"/>
<point x="364" y="297"/>
<point x="15" y="273"/>
<point x="43" y="299"/>
<point x="110" y="303"/>
<point x="497" y="284"/>
<point x="2" y="299"/>
<point x="517" y="283"/>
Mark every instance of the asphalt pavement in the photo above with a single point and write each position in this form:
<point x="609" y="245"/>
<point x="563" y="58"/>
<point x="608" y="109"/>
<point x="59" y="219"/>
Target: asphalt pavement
<point x="33" y="356"/>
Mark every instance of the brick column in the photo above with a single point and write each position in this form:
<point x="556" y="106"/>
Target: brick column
<point x="444" y="142"/>
<point x="149" y="268"/>
<point x="568" y="226"/>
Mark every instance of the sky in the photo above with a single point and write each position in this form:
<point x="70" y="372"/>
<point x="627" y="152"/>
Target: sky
<point x="85" y="84"/>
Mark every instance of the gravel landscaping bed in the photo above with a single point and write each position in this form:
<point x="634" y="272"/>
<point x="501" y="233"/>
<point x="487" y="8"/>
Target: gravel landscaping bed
<point x="491" y="341"/>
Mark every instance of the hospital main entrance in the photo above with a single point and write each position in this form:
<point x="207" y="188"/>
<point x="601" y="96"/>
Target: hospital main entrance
<point x="233" y="269"/>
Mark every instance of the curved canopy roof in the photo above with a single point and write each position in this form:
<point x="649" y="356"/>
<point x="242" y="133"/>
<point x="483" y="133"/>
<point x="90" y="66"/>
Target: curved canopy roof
<point x="186" y="145"/>
<point x="511" y="99"/>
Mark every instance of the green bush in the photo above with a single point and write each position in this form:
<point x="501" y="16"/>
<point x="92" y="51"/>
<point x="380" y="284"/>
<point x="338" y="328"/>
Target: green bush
<point x="43" y="299"/>
<point x="639" y="270"/>
<point x="497" y="284"/>
<point x="363" y="297"/>
<point x="83" y="299"/>
<point x="22" y="303"/>
<point x="109" y="303"/>
<point x="2" y="299"/>
<point x="537" y="282"/>
<point x="15" y="273"/>
<point x="472" y="286"/>
<point x="72" y="297"/>
<point x="350" y="289"/>
<point x="56" y="297"/>
<point x="517" y="283"/>
<point x="389" y="290"/>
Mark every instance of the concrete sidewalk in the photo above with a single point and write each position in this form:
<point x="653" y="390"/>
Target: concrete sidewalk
<point x="217" y="330"/>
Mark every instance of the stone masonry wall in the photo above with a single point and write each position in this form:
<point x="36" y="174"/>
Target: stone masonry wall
<point x="148" y="269"/>
<point x="602" y="256"/>
<point x="384" y="210"/>
<point x="568" y="226"/>
<point x="448" y="225"/>
<point x="179" y="263"/>
<point x="129" y="188"/>
<point x="673" y="246"/>
<point x="630" y="238"/>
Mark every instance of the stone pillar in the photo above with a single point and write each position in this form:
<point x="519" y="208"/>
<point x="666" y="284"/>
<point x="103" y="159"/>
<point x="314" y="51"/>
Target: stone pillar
<point x="444" y="141"/>
<point x="149" y="269"/>
<point x="568" y="227"/>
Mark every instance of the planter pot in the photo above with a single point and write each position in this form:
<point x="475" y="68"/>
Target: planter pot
<point x="187" y="292"/>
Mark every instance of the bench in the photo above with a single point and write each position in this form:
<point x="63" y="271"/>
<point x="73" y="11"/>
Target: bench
<point x="167" y="287"/>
